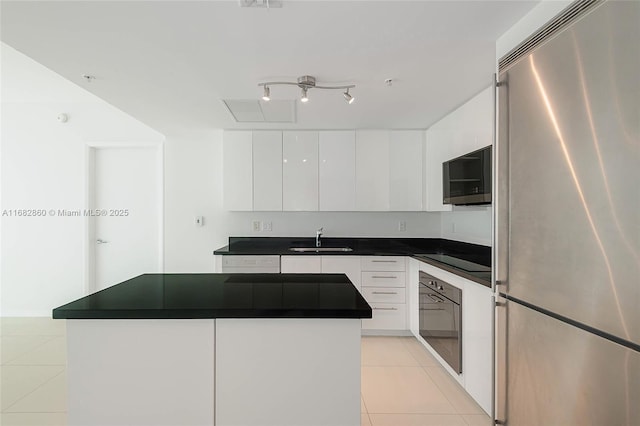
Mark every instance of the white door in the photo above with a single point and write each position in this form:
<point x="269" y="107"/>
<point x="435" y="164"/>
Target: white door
<point x="372" y="170"/>
<point x="126" y="229"/>
<point x="300" y="171"/>
<point x="337" y="170"/>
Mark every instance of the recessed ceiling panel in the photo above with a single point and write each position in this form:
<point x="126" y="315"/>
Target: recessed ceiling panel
<point x="255" y="111"/>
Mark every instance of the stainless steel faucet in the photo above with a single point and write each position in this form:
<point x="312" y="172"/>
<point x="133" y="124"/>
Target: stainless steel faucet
<point x="318" y="235"/>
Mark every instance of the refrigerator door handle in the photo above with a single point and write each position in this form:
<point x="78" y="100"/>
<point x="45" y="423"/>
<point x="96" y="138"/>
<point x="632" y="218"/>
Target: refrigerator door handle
<point x="499" y="388"/>
<point x="500" y="218"/>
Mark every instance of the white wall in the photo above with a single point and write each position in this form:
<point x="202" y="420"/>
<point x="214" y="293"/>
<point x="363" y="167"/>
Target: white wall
<point x="193" y="187"/>
<point x="43" y="167"/>
<point x="339" y="224"/>
<point x="536" y="18"/>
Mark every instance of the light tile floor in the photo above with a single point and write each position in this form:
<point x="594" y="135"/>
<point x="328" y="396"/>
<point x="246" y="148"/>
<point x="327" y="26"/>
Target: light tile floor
<point x="402" y="384"/>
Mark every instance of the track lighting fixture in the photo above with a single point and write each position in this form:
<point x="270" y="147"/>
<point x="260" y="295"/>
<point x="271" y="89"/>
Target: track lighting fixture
<point x="266" y="94"/>
<point x="305" y="83"/>
<point x="348" y="97"/>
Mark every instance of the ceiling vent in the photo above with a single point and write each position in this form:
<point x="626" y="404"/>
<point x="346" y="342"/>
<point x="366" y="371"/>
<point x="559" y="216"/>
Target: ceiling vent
<point x="257" y="111"/>
<point x="567" y="16"/>
<point x="267" y="4"/>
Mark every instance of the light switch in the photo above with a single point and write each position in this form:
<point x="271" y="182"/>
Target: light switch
<point x="199" y="221"/>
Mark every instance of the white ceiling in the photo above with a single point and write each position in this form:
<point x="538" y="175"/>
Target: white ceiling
<point x="170" y="64"/>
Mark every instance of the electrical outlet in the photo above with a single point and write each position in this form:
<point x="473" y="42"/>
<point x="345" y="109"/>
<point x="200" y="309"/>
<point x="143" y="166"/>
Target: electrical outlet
<point x="266" y="226"/>
<point x="257" y="226"/>
<point x="402" y="226"/>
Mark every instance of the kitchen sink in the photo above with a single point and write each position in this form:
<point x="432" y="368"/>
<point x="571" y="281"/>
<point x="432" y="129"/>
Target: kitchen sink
<point x="320" y="249"/>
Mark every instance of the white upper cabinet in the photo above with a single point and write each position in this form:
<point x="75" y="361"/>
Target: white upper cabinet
<point x="237" y="170"/>
<point x="300" y="171"/>
<point x="406" y="156"/>
<point x="475" y="129"/>
<point x="267" y="170"/>
<point x="372" y="170"/>
<point x="437" y="152"/>
<point x="337" y="170"/>
<point x="342" y="170"/>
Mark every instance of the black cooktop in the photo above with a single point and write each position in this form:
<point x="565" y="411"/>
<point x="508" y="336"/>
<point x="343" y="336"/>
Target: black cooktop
<point x="457" y="263"/>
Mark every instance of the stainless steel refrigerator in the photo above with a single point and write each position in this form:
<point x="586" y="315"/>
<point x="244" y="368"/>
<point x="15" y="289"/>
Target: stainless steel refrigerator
<point x="568" y="221"/>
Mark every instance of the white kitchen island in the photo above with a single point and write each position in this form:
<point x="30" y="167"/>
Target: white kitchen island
<point x="216" y="349"/>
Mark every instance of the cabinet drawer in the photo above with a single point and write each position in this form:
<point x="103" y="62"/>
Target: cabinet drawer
<point x="383" y="263"/>
<point x="384" y="294"/>
<point x="387" y="316"/>
<point x="383" y="279"/>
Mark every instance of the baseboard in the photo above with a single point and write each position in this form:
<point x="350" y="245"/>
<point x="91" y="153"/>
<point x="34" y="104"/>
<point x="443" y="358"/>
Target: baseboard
<point x="386" y="332"/>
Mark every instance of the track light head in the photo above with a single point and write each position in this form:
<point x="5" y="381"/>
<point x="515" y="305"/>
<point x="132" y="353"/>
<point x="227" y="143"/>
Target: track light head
<point x="304" y="97"/>
<point x="348" y="97"/>
<point x="266" y="95"/>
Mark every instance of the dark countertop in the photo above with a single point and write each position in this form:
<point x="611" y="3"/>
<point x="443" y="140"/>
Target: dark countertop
<point x="413" y="247"/>
<point x="161" y="296"/>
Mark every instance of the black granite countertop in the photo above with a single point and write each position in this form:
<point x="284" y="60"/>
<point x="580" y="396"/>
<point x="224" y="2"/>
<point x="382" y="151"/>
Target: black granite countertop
<point x="418" y="248"/>
<point x="161" y="296"/>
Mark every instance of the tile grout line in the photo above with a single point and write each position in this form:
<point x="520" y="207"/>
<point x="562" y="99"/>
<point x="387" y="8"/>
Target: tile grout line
<point x="425" y="368"/>
<point x="4" y="362"/>
<point x="4" y="411"/>
<point x="404" y="343"/>
<point x="445" y="394"/>
<point x="366" y="409"/>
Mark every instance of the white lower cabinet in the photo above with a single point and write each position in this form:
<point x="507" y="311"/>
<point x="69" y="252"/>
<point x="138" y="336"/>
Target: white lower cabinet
<point x="380" y="279"/>
<point x="384" y="287"/>
<point x="300" y="264"/>
<point x="384" y="295"/>
<point x="348" y="265"/>
<point x="477" y="311"/>
<point x="387" y="317"/>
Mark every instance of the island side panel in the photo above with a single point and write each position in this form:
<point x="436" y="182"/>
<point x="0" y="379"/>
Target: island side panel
<point x="140" y="372"/>
<point x="288" y="372"/>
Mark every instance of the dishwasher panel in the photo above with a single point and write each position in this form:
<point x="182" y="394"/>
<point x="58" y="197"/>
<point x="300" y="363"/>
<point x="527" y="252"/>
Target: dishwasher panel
<point x="268" y="264"/>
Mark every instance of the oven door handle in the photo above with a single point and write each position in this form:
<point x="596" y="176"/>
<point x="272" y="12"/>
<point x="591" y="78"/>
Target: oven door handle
<point x="435" y="298"/>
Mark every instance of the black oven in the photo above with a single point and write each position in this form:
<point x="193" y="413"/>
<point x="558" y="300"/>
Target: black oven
<point x="441" y="318"/>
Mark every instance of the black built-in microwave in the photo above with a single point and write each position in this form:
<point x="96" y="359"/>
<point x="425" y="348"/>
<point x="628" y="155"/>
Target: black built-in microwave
<point x="466" y="180"/>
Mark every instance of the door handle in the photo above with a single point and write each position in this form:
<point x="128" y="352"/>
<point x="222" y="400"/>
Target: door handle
<point x="435" y="298"/>
<point x="100" y="241"/>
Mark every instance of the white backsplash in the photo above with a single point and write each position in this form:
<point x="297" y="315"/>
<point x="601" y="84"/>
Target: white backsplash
<point x="335" y="224"/>
<point x="470" y="224"/>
